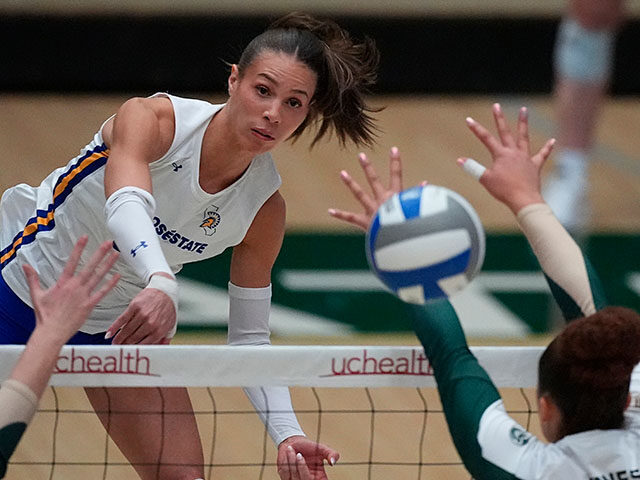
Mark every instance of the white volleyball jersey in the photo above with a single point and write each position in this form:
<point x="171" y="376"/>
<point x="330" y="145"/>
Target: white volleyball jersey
<point x="590" y="455"/>
<point x="40" y="225"/>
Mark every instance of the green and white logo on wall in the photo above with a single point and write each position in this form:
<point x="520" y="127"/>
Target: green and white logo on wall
<point x="322" y="286"/>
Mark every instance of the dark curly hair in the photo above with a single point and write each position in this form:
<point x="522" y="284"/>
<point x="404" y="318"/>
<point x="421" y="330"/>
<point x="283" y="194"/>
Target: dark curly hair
<point x="345" y="70"/>
<point x="586" y="370"/>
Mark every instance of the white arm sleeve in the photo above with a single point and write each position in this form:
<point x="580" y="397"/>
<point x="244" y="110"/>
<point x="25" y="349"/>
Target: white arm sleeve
<point x="128" y="212"/>
<point x="249" y="325"/>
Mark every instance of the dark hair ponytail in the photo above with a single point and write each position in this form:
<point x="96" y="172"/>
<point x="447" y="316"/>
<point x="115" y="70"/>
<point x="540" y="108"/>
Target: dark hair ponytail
<point x="345" y="71"/>
<point x="587" y="369"/>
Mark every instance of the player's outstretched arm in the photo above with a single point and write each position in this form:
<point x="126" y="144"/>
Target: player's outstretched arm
<point x="513" y="178"/>
<point x="61" y="310"/>
<point x="140" y="133"/>
<point x="379" y="193"/>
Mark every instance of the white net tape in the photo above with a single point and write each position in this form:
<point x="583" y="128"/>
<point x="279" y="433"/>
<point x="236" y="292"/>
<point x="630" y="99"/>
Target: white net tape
<point x="309" y="366"/>
<point x="386" y="419"/>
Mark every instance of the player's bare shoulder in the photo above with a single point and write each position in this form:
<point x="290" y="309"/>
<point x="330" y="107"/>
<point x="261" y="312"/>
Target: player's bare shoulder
<point x="268" y="224"/>
<point x="274" y="209"/>
<point x="151" y="117"/>
<point x="163" y="110"/>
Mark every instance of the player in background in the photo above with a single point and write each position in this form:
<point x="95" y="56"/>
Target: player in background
<point x="60" y="311"/>
<point x="183" y="180"/>
<point x="584" y="375"/>
<point x="583" y="64"/>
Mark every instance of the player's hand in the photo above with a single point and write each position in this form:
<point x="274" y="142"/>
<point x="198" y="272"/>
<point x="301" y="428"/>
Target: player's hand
<point x="63" y="308"/>
<point x="380" y="193"/>
<point x="302" y="459"/>
<point x="514" y="176"/>
<point x="148" y="319"/>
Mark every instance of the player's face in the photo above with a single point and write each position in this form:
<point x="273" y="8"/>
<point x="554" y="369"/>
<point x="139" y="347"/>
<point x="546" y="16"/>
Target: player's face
<point x="270" y="99"/>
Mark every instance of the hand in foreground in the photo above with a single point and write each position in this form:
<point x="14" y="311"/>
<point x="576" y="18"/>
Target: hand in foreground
<point x="380" y="193"/>
<point x="302" y="459"/>
<point x="514" y="176"/>
<point x="62" y="309"/>
<point x="148" y="319"/>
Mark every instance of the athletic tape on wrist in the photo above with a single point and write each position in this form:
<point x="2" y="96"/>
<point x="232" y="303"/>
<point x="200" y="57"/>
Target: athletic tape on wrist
<point x="170" y="287"/>
<point x="473" y="168"/>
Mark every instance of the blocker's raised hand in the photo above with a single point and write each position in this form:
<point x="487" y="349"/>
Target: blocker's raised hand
<point x="379" y="193"/>
<point x="514" y="177"/>
<point x="63" y="308"/>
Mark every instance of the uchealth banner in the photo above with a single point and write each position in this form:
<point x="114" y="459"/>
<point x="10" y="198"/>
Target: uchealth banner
<point x="312" y="366"/>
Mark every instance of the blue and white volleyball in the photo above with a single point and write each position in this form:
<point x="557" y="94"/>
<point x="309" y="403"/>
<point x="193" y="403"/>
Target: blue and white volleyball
<point x="425" y="243"/>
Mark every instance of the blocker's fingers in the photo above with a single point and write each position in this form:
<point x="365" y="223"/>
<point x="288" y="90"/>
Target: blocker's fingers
<point x="360" y="221"/>
<point x="484" y="136"/>
<point x="395" y="170"/>
<point x="473" y="168"/>
<point x="504" y="132"/>
<point x="523" y="130"/>
<point x="545" y="151"/>
<point x="89" y="269"/>
<point x="363" y="198"/>
<point x="74" y="258"/>
<point x="104" y="289"/>
<point x="101" y="270"/>
<point x="372" y="176"/>
<point x="32" y="278"/>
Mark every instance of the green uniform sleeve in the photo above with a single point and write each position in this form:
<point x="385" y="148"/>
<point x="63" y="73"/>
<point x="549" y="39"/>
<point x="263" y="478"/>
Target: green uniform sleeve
<point x="10" y="435"/>
<point x="465" y="388"/>
<point x="17" y="406"/>
<point x="568" y="305"/>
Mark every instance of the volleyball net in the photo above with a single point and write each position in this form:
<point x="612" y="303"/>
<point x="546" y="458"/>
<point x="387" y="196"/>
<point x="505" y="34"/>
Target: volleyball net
<point x="378" y="406"/>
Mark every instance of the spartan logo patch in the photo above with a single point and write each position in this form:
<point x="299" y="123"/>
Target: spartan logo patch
<point x="519" y="436"/>
<point x="211" y="220"/>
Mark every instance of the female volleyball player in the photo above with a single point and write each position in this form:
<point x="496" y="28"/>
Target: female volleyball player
<point x="59" y="311"/>
<point x="584" y="375"/>
<point x="174" y="180"/>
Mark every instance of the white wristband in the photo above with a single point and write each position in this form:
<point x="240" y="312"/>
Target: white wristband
<point x="170" y="287"/>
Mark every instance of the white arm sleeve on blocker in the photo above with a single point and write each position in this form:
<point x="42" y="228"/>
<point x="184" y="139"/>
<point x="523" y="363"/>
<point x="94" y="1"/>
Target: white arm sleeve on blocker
<point x="128" y="212"/>
<point x="249" y="325"/>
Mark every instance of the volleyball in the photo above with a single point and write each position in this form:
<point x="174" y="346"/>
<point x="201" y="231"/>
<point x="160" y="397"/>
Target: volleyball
<point x="425" y="243"/>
